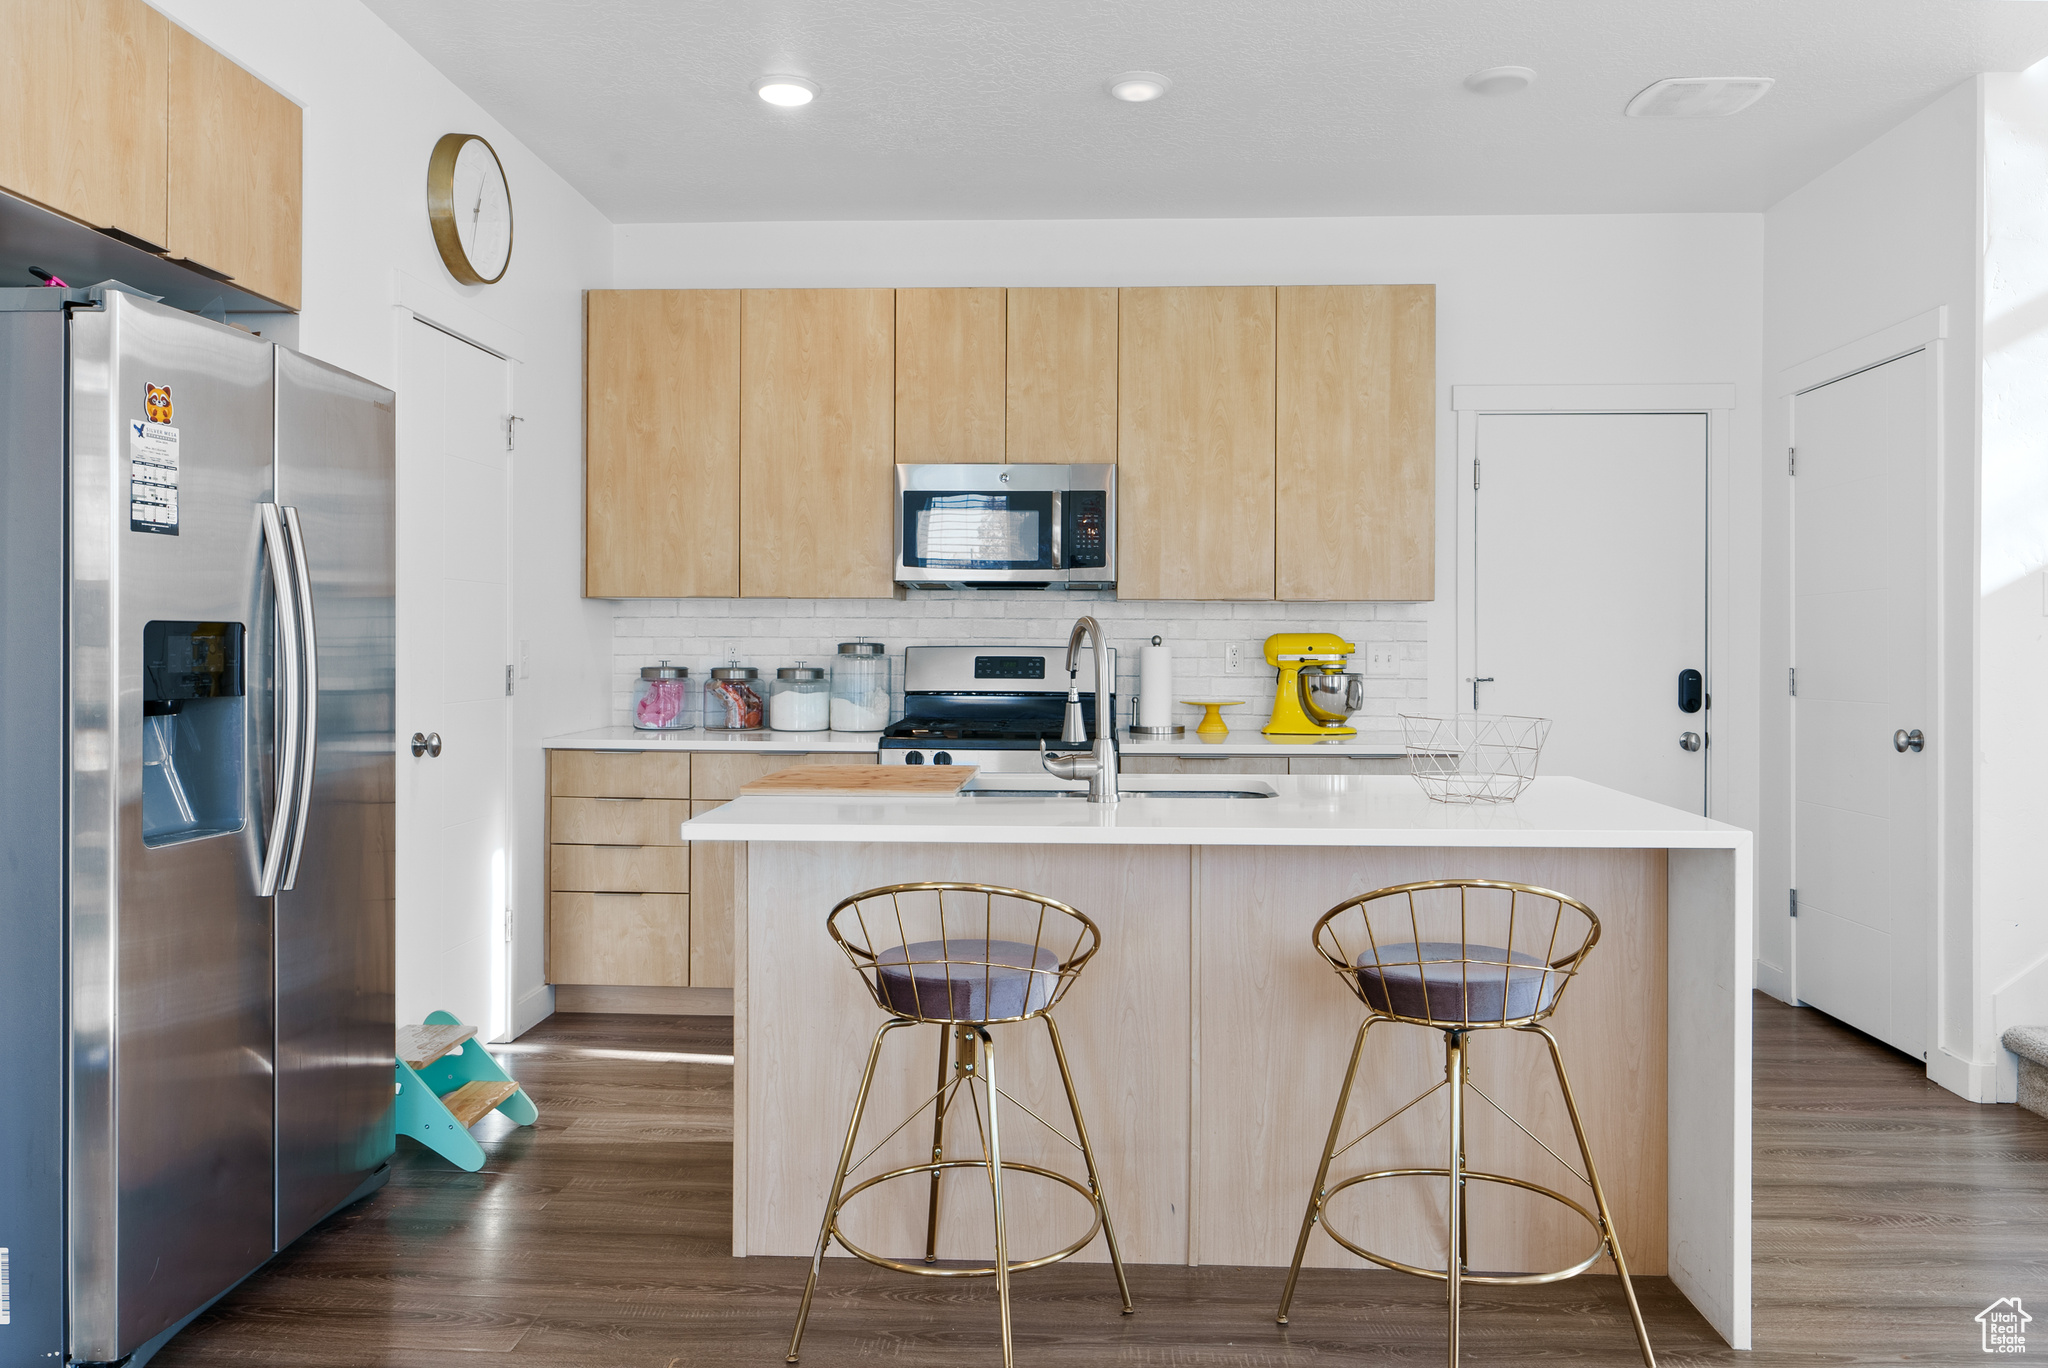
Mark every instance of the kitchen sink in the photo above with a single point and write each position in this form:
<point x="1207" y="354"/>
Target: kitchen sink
<point x="1126" y="793"/>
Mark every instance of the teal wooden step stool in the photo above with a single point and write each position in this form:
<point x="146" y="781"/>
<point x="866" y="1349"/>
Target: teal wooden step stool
<point x="447" y="1082"/>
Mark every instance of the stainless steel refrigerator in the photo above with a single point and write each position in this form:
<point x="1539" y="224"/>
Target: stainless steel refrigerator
<point x="196" y="887"/>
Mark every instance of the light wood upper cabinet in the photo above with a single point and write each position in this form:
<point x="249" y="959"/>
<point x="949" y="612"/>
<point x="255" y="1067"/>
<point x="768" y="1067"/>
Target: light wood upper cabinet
<point x="1195" y="443"/>
<point x="1356" y="467"/>
<point x="234" y="172"/>
<point x="1062" y="376"/>
<point x="82" y="110"/>
<point x="949" y="375"/>
<point x="817" y="430"/>
<point x="662" y="444"/>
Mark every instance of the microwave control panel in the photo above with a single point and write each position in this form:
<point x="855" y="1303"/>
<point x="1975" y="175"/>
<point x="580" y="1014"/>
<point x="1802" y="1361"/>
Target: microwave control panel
<point x="1086" y="530"/>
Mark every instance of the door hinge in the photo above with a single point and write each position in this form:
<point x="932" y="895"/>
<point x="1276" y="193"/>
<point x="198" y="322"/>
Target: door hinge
<point x="510" y="420"/>
<point x="1792" y="680"/>
<point x="508" y="926"/>
<point x="1475" y="472"/>
<point x="1795" y="902"/>
<point x="508" y="681"/>
<point x="1791" y="460"/>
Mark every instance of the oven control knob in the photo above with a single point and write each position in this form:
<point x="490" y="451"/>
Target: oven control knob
<point x="913" y="757"/>
<point x="943" y="758"/>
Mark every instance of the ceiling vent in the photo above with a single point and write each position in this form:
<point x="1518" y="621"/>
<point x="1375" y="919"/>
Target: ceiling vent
<point x="1699" y="97"/>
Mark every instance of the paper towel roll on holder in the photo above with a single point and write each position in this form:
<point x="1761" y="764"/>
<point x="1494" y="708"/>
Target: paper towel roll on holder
<point x="1140" y="733"/>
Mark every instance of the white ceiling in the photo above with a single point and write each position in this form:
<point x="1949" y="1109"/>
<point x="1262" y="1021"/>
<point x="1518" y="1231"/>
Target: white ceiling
<point x="996" y="109"/>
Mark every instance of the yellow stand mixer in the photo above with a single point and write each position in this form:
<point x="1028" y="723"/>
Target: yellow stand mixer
<point x="1316" y="693"/>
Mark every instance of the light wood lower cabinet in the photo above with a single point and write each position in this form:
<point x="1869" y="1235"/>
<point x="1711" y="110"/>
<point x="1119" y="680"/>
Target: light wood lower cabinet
<point x="631" y="939"/>
<point x="630" y="903"/>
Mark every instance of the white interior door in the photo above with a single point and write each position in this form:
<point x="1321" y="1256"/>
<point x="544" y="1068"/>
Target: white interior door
<point x="1861" y="615"/>
<point x="1590" y="592"/>
<point x="454" y="644"/>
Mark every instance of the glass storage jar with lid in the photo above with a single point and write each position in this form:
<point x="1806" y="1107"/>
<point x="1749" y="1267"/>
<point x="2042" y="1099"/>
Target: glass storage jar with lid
<point x="731" y="702"/>
<point x="799" y="699"/>
<point x="661" y="698"/>
<point x="860" y="687"/>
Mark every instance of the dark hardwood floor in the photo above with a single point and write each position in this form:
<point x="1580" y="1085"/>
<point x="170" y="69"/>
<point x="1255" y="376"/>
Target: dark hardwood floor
<point x="1888" y="1213"/>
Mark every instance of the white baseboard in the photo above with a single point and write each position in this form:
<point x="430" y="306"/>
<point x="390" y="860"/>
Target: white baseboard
<point x="1971" y="1082"/>
<point x="532" y="1008"/>
<point x="1771" y="978"/>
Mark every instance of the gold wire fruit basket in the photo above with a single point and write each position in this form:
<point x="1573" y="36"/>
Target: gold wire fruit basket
<point x="1474" y="757"/>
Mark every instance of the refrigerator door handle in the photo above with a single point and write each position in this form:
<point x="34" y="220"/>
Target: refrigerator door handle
<point x="309" y="695"/>
<point x="285" y="597"/>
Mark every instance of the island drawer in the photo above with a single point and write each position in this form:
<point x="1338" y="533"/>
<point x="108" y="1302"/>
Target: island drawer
<point x="617" y="821"/>
<point x="626" y="939"/>
<point x="619" y="869"/>
<point x="718" y="777"/>
<point x="618" y="774"/>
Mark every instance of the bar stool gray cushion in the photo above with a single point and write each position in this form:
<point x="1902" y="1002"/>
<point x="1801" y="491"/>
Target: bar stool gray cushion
<point x="964" y="979"/>
<point x="1401" y="982"/>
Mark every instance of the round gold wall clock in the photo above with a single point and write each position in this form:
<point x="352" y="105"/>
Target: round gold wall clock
<point x="470" y="207"/>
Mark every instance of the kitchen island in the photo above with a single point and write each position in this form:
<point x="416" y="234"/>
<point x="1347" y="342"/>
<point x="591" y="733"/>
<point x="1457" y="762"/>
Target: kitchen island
<point x="1209" y="1040"/>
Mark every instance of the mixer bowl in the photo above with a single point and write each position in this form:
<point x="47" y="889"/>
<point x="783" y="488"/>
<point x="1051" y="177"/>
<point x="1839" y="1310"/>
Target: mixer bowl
<point x="1331" y="696"/>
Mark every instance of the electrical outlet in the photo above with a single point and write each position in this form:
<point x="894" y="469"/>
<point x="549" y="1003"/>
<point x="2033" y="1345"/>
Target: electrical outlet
<point x="1381" y="658"/>
<point x="729" y="652"/>
<point x="1233" y="658"/>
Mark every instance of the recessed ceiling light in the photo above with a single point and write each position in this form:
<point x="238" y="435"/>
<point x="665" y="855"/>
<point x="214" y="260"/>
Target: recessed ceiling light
<point x="787" y="91"/>
<point x="1501" y="80"/>
<point x="1698" y="97"/>
<point x="1138" y="87"/>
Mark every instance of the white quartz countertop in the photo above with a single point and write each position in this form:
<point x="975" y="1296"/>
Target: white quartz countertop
<point x="1243" y="742"/>
<point x="698" y="739"/>
<point x="1337" y="810"/>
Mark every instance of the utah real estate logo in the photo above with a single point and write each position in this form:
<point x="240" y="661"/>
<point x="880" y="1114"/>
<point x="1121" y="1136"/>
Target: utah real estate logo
<point x="2005" y="1326"/>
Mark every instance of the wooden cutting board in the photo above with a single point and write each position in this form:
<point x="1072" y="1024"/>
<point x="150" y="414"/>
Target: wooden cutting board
<point x="930" y="781"/>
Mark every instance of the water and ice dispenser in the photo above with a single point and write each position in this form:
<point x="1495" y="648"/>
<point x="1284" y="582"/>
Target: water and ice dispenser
<point x="194" y="731"/>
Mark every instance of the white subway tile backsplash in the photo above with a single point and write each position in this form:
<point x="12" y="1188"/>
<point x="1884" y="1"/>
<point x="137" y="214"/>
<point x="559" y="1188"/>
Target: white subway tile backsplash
<point x="773" y="632"/>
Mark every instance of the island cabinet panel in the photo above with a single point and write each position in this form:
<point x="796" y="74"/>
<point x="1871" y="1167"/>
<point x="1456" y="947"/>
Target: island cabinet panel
<point x="662" y="444"/>
<point x="1062" y="376"/>
<point x="807" y="1021"/>
<point x="83" y="111"/>
<point x="1276" y="1030"/>
<point x="949" y="375"/>
<point x="623" y="939"/>
<point x="1195" y="443"/>
<point x="817" y="443"/>
<point x="234" y="185"/>
<point x="1355" y="513"/>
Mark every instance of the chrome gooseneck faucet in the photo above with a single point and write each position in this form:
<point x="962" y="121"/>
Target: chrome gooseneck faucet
<point x="1098" y="768"/>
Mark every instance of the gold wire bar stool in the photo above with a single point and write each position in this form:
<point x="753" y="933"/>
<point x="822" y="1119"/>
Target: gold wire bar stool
<point x="1461" y="955"/>
<point x="964" y="957"/>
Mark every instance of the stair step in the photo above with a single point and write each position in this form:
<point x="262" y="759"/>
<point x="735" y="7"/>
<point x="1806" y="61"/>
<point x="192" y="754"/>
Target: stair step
<point x="420" y="1046"/>
<point x="472" y="1101"/>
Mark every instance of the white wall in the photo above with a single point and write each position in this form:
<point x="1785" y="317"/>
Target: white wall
<point x="373" y="110"/>
<point x="2011" y="582"/>
<point x="1889" y="233"/>
<point x="1638" y="299"/>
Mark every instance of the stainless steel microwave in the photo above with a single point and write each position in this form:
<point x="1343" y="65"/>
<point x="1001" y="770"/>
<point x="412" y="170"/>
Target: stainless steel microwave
<point x="1006" y="526"/>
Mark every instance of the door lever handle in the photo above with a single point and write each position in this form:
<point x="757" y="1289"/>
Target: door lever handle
<point x="1903" y="740"/>
<point x="426" y="743"/>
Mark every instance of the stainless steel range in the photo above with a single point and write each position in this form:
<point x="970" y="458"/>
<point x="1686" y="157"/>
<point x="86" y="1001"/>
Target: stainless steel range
<point x="989" y="706"/>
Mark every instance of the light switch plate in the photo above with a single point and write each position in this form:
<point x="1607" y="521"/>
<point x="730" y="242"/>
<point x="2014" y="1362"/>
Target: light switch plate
<point x="1381" y="658"/>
